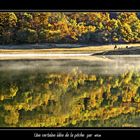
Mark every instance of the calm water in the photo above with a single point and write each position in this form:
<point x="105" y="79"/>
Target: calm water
<point x="70" y="93"/>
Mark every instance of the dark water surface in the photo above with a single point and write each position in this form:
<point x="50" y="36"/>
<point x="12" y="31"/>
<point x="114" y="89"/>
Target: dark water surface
<point x="69" y="93"/>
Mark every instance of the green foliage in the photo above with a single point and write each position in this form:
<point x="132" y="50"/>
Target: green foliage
<point x="27" y="36"/>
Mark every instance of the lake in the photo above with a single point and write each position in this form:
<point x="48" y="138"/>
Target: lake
<point x="70" y="93"/>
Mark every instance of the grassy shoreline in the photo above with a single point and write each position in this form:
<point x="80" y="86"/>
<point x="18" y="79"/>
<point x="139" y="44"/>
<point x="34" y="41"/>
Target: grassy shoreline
<point x="92" y="50"/>
<point x="61" y="48"/>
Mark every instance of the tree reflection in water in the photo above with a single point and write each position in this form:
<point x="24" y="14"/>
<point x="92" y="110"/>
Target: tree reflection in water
<point x="75" y="98"/>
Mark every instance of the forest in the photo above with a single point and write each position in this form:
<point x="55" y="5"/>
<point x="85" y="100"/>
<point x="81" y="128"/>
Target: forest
<point x="69" y="27"/>
<point x="48" y="99"/>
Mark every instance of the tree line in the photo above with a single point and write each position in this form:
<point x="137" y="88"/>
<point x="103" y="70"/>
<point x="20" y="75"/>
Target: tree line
<point x="69" y="27"/>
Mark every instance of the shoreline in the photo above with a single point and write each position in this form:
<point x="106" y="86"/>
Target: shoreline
<point x="87" y="58"/>
<point x="121" y="51"/>
<point x="84" y="53"/>
<point x="55" y="46"/>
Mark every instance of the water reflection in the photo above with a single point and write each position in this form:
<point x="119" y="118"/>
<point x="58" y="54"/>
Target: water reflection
<point x="69" y="93"/>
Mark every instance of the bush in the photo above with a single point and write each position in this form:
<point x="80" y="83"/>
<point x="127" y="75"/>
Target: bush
<point x="27" y="36"/>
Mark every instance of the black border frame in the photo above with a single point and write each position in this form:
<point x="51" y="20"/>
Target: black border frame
<point x="68" y="4"/>
<point x="106" y="133"/>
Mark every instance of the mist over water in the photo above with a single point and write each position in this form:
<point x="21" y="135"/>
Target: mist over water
<point x="118" y="65"/>
<point x="49" y="93"/>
